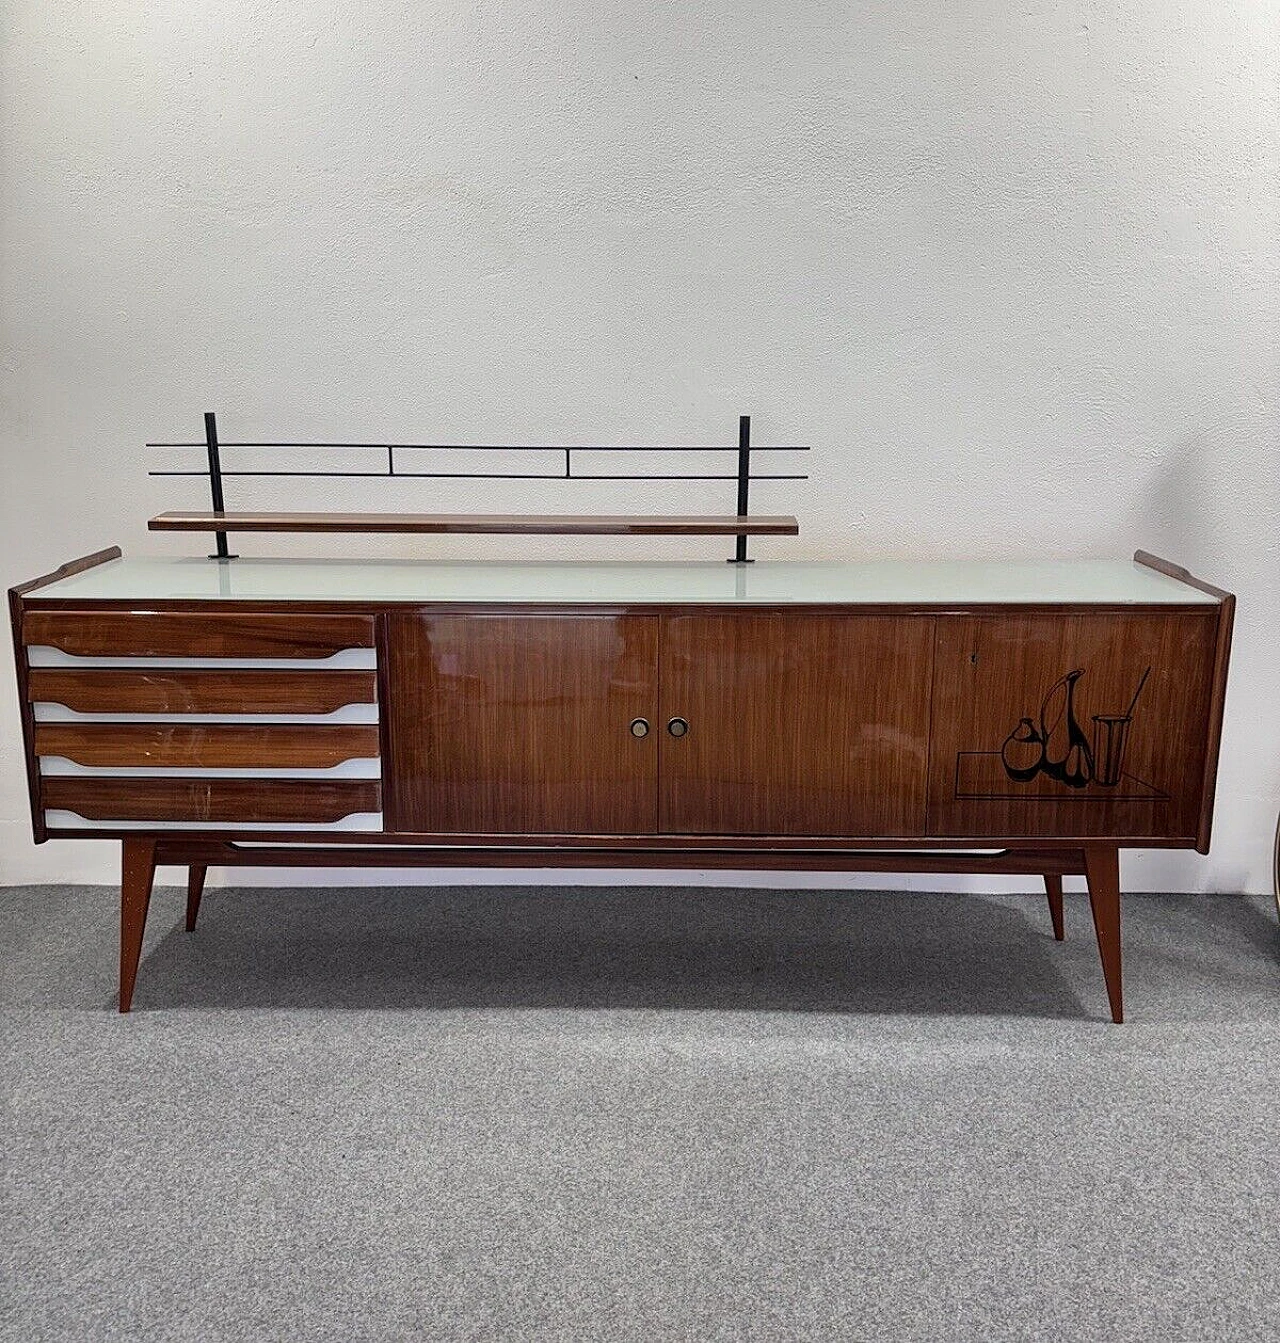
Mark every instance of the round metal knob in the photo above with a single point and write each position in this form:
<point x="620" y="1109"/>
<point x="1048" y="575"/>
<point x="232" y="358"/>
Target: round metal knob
<point x="639" y="727"/>
<point x="677" y="727"/>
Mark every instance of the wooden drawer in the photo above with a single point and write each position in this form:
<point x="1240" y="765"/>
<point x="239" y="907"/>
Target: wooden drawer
<point x="158" y="763"/>
<point x="181" y="634"/>
<point x="161" y="690"/>
<point x="207" y="745"/>
<point x="228" y="801"/>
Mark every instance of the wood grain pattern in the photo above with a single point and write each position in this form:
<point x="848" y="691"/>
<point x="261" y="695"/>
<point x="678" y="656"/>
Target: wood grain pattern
<point x="137" y="875"/>
<point x="507" y="524"/>
<point x="1217" y="708"/>
<point x="26" y="716"/>
<point x="17" y="610"/>
<point x="184" y="851"/>
<point x="809" y="734"/>
<point x="159" y="690"/>
<point x="209" y="745"/>
<point x="196" y="874"/>
<point x="92" y="633"/>
<point x="812" y="725"/>
<point x="1102" y="870"/>
<point x="205" y="800"/>
<point x="1053" y="889"/>
<point x="517" y="723"/>
<point x="993" y="671"/>
<point x="390" y="796"/>
<point x="1178" y="571"/>
<point x="68" y="570"/>
<point x="904" y="851"/>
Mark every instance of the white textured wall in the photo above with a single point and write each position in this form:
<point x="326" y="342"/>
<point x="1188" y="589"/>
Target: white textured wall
<point x="1010" y="268"/>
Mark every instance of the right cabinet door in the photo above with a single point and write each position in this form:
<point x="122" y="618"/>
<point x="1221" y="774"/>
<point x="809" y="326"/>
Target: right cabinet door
<point x="797" y="724"/>
<point x="1070" y="725"/>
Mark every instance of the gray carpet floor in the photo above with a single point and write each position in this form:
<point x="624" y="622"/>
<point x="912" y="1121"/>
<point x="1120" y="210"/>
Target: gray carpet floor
<point x="643" y="1114"/>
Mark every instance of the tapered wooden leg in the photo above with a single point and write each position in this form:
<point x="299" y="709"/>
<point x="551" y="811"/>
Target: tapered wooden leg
<point x="1053" y="887"/>
<point x="137" y="872"/>
<point x="1102" y="869"/>
<point x="195" y="889"/>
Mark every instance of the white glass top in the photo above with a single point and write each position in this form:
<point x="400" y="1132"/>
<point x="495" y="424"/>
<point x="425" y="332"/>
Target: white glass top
<point x="773" y="583"/>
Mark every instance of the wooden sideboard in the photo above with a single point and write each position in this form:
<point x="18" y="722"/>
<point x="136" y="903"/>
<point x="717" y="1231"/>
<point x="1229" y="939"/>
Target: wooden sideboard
<point x="997" y="718"/>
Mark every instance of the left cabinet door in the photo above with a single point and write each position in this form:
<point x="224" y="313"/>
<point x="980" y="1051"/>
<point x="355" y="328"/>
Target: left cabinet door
<point x="521" y="724"/>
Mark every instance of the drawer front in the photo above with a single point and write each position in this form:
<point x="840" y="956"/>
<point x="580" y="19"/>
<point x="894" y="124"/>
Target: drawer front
<point x="164" y="690"/>
<point x="180" y="634"/>
<point x="222" y="801"/>
<point x="155" y="721"/>
<point x="208" y="745"/>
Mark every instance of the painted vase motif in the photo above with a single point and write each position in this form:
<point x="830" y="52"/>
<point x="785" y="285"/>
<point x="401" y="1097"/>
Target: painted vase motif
<point x="1057" y="746"/>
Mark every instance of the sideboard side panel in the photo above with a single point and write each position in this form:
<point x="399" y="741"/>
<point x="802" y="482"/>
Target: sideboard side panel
<point x="1221" y="665"/>
<point x="520" y="724"/>
<point x="1037" y="732"/>
<point x="27" y="717"/>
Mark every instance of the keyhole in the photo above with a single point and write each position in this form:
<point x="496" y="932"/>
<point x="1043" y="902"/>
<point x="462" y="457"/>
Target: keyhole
<point x="973" y="657"/>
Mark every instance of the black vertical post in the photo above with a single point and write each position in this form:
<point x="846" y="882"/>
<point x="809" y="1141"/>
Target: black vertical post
<point x="215" y="481"/>
<point x="744" y="481"/>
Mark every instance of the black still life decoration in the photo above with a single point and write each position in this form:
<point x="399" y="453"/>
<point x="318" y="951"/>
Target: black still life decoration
<point x="1058" y="747"/>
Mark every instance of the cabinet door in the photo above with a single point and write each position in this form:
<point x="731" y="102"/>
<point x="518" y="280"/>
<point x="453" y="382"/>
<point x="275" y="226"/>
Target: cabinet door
<point x="1071" y="725"/>
<point x="504" y="724"/>
<point x="797" y="724"/>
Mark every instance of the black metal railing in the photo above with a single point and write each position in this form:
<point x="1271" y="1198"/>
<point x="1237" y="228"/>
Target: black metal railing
<point x="216" y="473"/>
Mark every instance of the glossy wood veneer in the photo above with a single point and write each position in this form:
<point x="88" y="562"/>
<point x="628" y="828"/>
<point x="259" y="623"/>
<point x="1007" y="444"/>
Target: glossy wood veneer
<point x="208" y="745"/>
<point x="206" y="800"/>
<point x="692" y="847"/>
<point x="502" y="723"/>
<point x="68" y="570"/>
<point x="508" y="524"/>
<point x="814" y="725"/>
<point x="17" y="608"/>
<point x="1221" y="664"/>
<point x="137" y="875"/>
<point x="991" y="672"/>
<point x="1059" y="862"/>
<point x="96" y="633"/>
<point x="160" y="690"/>
<point x="1180" y="573"/>
<point x="206" y="811"/>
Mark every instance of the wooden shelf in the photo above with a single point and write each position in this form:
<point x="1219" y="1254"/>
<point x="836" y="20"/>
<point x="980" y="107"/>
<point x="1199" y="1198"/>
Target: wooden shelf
<point x="527" y="524"/>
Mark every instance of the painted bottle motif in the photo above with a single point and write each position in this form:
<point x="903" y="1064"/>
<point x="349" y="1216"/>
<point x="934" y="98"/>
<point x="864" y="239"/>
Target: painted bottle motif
<point x="1068" y="756"/>
<point x="1059" y="746"/>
